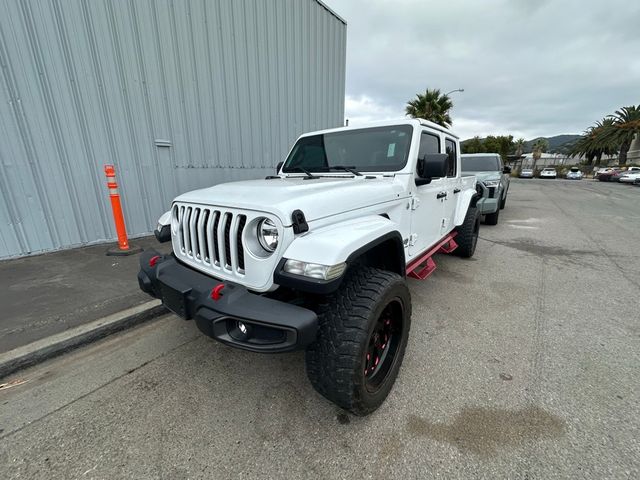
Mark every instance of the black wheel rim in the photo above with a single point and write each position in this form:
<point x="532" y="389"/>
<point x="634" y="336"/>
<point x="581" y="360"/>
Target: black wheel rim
<point x="383" y="345"/>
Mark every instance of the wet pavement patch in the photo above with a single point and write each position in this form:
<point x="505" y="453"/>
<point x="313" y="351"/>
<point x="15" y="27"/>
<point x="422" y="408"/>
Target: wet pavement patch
<point x="529" y="246"/>
<point x="485" y="430"/>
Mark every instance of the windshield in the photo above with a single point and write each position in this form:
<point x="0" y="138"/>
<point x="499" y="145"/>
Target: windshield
<point x="379" y="149"/>
<point x="485" y="163"/>
<point x="575" y="170"/>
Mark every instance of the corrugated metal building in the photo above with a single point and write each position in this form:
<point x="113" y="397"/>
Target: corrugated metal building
<point x="177" y="94"/>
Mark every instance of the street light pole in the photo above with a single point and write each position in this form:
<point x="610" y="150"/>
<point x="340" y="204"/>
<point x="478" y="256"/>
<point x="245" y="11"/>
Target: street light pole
<point x="456" y="90"/>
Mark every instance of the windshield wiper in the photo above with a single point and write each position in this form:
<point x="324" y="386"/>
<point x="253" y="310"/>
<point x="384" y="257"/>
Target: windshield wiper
<point x="303" y="170"/>
<point x="346" y="169"/>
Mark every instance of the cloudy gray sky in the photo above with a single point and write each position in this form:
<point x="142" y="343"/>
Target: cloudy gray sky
<point x="528" y="67"/>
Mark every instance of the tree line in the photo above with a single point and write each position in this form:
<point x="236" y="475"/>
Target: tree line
<point x="610" y="135"/>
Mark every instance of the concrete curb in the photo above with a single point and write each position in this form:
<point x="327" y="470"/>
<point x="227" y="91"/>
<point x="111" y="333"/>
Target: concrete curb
<point x="46" y="348"/>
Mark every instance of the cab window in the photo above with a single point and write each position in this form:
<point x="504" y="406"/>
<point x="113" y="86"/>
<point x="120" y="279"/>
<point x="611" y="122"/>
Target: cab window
<point x="429" y="143"/>
<point x="453" y="155"/>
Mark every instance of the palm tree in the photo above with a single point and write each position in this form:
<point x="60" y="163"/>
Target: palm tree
<point x="539" y="147"/>
<point x="431" y="105"/>
<point x="596" y="141"/>
<point x="519" y="144"/>
<point x="625" y="125"/>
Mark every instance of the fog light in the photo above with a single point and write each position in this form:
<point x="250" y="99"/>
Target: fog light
<point x="242" y="331"/>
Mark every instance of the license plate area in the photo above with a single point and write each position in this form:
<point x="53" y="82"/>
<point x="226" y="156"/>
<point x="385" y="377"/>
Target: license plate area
<point x="175" y="299"/>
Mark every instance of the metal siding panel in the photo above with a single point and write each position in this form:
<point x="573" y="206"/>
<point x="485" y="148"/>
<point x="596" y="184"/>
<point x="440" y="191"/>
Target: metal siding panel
<point x="255" y="160"/>
<point x="243" y="91"/>
<point x="265" y="138"/>
<point x="98" y="105"/>
<point x="79" y="97"/>
<point x="308" y="62"/>
<point x="20" y="80"/>
<point x="201" y="54"/>
<point x="12" y="232"/>
<point x="90" y="83"/>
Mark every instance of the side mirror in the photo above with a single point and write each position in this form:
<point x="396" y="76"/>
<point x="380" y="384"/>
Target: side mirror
<point x="278" y="167"/>
<point x="432" y="165"/>
<point x="506" y="169"/>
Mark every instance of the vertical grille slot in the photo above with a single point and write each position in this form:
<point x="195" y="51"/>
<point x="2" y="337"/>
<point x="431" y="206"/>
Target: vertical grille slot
<point x="210" y="239"/>
<point x="228" y="261"/>
<point x="193" y="237"/>
<point x="181" y="228"/>
<point x="185" y="231"/>
<point x="222" y="259"/>
<point x="242" y="220"/>
<point x="214" y="238"/>
<point x="203" y="250"/>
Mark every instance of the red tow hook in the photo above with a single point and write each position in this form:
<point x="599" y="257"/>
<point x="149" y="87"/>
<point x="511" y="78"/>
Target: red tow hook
<point x="153" y="260"/>
<point x="216" y="292"/>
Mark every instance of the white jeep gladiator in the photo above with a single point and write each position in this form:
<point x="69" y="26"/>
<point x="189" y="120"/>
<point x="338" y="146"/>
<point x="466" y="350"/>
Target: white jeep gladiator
<point x="317" y="256"/>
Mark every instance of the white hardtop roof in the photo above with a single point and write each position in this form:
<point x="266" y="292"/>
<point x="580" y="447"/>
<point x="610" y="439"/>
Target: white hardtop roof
<point x="416" y="122"/>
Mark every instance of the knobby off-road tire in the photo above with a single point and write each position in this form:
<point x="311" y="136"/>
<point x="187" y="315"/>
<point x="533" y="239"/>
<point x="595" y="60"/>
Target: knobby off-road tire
<point x="368" y="317"/>
<point x="492" y="218"/>
<point x="467" y="237"/>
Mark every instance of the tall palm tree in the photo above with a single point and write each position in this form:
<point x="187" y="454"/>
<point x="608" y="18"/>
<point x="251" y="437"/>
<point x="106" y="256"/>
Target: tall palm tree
<point x="625" y="126"/>
<point x="539" y="147"/>
<point x="431" y="105"/>
<point x="596" y="141"/>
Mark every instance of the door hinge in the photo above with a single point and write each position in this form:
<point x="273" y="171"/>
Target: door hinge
<point x="413" y="238"/>
<point x="415" y="202"/>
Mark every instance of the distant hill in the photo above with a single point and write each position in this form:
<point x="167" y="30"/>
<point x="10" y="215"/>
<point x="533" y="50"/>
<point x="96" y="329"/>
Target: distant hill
<point x="557" y="143"/>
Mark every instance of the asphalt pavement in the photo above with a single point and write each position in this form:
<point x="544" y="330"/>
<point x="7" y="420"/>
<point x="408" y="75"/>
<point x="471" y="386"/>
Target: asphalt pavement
<point x="44" y="295"/>
<point x="522" y="363"/>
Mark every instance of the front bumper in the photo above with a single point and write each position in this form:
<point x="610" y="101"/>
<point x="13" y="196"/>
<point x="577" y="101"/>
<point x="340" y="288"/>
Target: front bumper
<point x="488" y="205"/>
<point x="271" y="325"/>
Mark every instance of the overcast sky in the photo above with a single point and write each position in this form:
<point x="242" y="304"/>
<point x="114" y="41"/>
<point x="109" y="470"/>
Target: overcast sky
<point x="528" y="67"/>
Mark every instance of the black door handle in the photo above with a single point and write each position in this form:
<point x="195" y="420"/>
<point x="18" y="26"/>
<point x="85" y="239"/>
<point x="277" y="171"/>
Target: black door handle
<point x="456" y="190"/>
<point x="441" y="195"/>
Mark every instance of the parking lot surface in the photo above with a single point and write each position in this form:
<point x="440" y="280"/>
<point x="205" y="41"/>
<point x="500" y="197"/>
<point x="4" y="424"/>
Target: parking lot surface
<point x="522" y="363"/>
<point x="43" y="295"/>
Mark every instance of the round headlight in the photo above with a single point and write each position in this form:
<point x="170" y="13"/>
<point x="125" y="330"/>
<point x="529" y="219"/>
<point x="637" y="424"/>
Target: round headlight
<point x="268" y="235"/>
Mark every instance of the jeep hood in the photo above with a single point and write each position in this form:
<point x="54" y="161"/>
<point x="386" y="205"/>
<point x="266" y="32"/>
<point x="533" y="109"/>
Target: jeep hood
<point x="317" y="198"/>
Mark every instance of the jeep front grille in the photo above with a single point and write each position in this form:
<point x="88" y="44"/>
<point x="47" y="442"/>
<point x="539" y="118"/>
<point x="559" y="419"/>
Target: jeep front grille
<point x="211" y="237"/>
